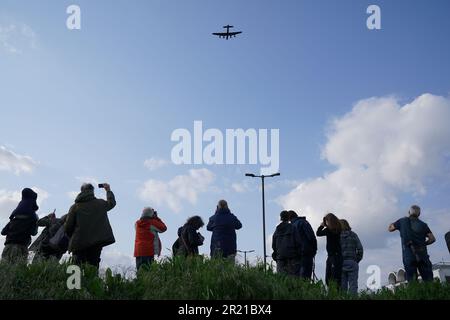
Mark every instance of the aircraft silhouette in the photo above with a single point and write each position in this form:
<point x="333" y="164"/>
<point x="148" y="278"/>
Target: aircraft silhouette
<point x="227" y="34"/>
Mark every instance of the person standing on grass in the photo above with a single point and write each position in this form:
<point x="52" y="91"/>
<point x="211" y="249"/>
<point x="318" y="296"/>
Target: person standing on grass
<point x="308" y="245"/>
<point x="43" y="247"/>
<point x="189" y="239"/>
<point x="331" y="228"/>
<point x="88" y="226"/>
<point x="223" y="225"/>
<point x="352" y="254"/>
<point x="21" y="226"/>
<point x="147" y="243"/>
<point x="416" y="236"/>
<point x="286" y="246"/>
<point x="447" y="240"/>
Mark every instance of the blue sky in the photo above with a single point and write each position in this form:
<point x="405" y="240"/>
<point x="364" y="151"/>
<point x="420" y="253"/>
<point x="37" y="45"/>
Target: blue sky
<point x="96" y="103"/>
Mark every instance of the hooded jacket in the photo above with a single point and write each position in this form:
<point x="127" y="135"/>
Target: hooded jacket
<point x="23" y="219"/>
<point x="147" y="242"/>
<point x="223" y="225"/>
<point x="87" y="223"/>
<point x="351" y="246"/>
<point x="27" y="206"/>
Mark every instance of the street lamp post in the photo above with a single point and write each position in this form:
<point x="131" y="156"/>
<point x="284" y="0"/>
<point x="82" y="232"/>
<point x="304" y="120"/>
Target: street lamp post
<point x="263" y="177"/>
<point x="245" y="255"/>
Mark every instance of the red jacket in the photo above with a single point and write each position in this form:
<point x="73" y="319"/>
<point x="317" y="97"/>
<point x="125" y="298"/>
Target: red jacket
<point x="147" y="243"/>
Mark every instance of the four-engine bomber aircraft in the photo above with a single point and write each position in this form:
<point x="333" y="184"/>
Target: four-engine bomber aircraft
<point x="227" y="34"/>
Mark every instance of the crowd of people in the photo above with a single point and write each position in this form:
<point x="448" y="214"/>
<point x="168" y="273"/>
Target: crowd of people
<point x="85" y="230"/>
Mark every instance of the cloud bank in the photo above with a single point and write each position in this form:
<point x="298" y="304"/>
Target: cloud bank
<point x="153" y="163"/>
<point x="13" y="162"/>
<point x="16" y="37"/>
<point x="177" y="191"/>
<point x="381" y="150"/>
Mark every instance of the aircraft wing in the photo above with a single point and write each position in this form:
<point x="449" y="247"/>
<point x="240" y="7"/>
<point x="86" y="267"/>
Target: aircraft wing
<point x="220" y="34"/>
<point x="234" y="33"/>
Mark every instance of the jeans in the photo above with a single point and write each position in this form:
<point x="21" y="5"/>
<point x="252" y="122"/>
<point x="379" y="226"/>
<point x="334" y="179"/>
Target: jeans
<point x="144" y="262"/>
<point x="411" y="266"/>
<point x="306" y="267"/>
<point x="333" y="270"/>
<point x="349" y="282"/>
<point x="89" y="256"/>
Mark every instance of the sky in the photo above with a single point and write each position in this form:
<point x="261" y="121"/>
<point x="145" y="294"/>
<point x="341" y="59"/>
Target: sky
<point x="362" y="114"/>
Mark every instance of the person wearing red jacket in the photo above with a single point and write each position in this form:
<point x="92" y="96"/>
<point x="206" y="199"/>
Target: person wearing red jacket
<point x="147" y="243"/>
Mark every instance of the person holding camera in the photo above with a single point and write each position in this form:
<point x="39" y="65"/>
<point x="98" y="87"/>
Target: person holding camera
<point x="189" y="239"/>
<point x="223" y="225"/>
<point x="87" y="225"/>
<point x="416" y="236"/>
<point x="147" y="243"/>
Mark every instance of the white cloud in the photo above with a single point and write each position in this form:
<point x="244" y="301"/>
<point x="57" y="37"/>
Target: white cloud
<point x="72" y="195"/>
<point x="8" y="202"/>
<point x="153" y="164"/>
<point x="179" y="189"/>
<point x="242" y="187"/>
<point x="239" y="187"/>
<point x="16" y="37"/>
<point x="381" y="150"/>
<point x="112" y="258"/>
<point x="13" y="162"/>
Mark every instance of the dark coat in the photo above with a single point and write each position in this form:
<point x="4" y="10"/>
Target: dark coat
<point x="20" y="229"/>
<point x="23" y="219"/>
<point x="51" y="226"/>
<point x="87" y="222"/>
<point x="223" y="225"/>
<point x="333" y="241"/>
<point x="188" y="240"/>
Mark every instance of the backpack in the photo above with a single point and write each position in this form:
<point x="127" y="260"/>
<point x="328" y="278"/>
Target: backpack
<point x="308" y="237"/>
<point x="285" y="242"/>
<point x="419" y="251"/>
<point x="60" y="241"/>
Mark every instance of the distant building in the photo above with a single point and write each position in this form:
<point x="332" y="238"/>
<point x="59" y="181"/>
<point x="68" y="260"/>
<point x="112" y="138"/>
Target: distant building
<point x="441" y="272"/>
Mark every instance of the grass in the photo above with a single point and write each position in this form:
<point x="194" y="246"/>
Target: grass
<point x="186" y="279"/>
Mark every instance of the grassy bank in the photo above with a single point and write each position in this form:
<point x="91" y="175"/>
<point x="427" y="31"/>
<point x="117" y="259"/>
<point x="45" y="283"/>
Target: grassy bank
<point x="184" y="279"/>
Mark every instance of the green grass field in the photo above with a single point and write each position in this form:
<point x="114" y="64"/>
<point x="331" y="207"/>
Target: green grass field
<point x="191" y="279"/>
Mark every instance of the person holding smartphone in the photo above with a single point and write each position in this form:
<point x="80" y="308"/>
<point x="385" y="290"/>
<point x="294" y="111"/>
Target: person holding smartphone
<point x="87" y="225"/>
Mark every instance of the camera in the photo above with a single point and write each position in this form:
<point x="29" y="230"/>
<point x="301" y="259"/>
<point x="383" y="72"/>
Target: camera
<point x="101" y="185"/>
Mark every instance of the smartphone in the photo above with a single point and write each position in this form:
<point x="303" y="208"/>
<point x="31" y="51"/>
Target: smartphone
<point x="101" y="185"/>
